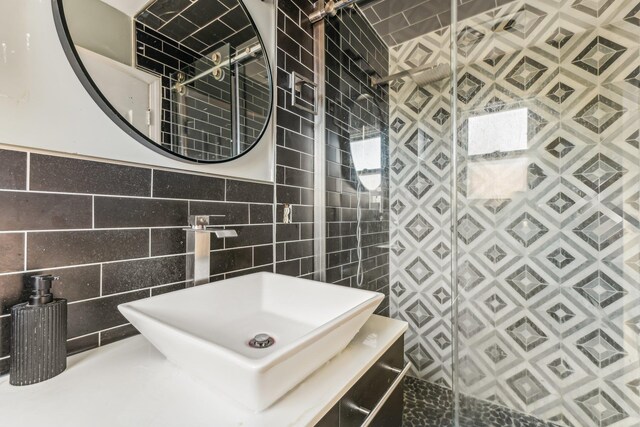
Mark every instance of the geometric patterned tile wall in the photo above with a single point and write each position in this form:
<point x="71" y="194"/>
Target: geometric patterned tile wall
<point x="548" y="233"/>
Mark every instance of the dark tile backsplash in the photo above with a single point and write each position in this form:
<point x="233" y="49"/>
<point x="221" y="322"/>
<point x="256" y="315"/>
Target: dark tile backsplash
<point x="59" y="248"/>
<point x="113" y="233"/>
<point x="119" y="238"/>
<point x="174" y="185"/>
<point x="12" y="250"/>
<point x="43" y="211"/>
<point x="12" y="166"/>
<point x="120" y="212"/>
<point x="66" y="175"/>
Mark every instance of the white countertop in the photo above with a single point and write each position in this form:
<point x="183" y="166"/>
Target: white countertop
<point x="129" y="383"/>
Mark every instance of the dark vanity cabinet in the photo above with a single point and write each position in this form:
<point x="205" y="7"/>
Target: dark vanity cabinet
<point x="376" y="399"/>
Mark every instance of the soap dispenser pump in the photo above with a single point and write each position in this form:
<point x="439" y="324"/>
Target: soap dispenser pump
<point x="38" y="334"/>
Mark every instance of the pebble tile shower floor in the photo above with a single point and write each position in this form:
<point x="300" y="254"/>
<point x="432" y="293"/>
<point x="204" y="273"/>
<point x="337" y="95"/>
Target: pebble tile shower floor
<point x="429" y="405"/>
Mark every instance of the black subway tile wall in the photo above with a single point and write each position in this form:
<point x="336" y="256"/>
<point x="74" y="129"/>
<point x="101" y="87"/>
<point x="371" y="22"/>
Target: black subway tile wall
<point x="356" y="112"/>
<point x="12" y="164"/>
<point x="65" y="175"/>
<point x="113" y="232"/>
<point x="295" y="132"/>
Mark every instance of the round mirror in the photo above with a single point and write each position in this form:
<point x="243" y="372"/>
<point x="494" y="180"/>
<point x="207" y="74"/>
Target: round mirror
<point x="188" y="78"/>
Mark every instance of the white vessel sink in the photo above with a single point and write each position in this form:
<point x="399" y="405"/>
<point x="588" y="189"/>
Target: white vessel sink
<point x="207" y="330"/>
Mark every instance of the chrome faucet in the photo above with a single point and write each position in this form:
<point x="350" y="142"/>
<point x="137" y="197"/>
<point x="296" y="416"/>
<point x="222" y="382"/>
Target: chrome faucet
<point x="199" y="245"/>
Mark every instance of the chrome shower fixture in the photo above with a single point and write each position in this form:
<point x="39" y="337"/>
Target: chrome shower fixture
<point x="217" y="71"/>
<point x="422" y="75"/>
<point x="330" y="8"/>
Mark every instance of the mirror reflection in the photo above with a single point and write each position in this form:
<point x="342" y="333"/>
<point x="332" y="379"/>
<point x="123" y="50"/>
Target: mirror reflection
<point x="192" y="77"/>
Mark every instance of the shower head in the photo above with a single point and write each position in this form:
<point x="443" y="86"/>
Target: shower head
<point x="422" y="75"/>
<point x="437" y="73"/>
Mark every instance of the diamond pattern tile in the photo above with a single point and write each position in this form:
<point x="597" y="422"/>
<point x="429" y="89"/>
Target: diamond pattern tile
<point x="527" y="387"/>
<point x="468" y="323"/>
<point x="418" y="270"/>
<point x="599" y="172"/>
<point x="560" y="93"/>
<point x="559" y="147"/>
<point x="526" y="72"/>
<point x="525" y="20"/>
<point x="592" y="7"/>
<point x="441" y="116"/>
<point x="468" y="87"/>
<point x="526" y="334"/>
<point x="494" y="56"/>
<point x="600" y="113"/>
<point x="418" y="99"/>
<point x="561" y="368"/>
<point x="601" y="407"/>
<point x="495" y="353"/>
<point x="419" y="185"/>
<point x="599" y="289"/>
<point x="419" y="356"/>
<point x="548" y="278"/>
<point x="468" y="39"/>
<point x="599" y="55"/>
<point x="419" y="313"/>
<point x="599" y="230"/>
<point x="495" y="254"/>
<point x="495" y="303"/>
<point x="526" y="282"/>
<point x="469" y="229"/>
<point x="559" y="38"/>
<point x="600" y="348"/>
<point x="526" y="229"/>
<point x="560" y="202"/>
<point x="560" y="258"/>
<point x="419" y="227"/>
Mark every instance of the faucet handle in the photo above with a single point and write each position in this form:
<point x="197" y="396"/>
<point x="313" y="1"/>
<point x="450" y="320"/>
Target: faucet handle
<point x="201" y="221"/>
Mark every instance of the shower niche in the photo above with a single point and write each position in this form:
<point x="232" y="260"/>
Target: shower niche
<point x="191" y="80"/>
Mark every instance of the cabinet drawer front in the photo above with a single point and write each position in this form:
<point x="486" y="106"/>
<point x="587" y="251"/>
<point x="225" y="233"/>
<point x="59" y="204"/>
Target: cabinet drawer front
<point x="390" y="415"/>
<point x="369" y="389"/>
<point x="332" y="418"/>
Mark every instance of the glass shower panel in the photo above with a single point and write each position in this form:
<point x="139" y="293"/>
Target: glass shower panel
<point x="420" y="207"/>
<point x="547" y="212"/>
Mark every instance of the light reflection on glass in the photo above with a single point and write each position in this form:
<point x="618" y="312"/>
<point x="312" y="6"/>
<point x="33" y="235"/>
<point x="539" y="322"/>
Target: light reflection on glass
<point x="504" y="135"/>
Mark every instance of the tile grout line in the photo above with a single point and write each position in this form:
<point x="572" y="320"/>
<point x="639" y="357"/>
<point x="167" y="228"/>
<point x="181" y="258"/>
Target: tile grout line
<point x="25" y="251"/>
<point x="28" y="167"/>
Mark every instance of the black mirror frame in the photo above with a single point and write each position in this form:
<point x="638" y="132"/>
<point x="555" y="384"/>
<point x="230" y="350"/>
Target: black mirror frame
<point x="94" y="91"/>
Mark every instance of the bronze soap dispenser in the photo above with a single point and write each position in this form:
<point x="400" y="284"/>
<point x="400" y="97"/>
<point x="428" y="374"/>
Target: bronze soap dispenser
<point x="38" y="335"/>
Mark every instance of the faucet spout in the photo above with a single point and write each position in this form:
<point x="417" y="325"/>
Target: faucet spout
<point x="199" y="246"/>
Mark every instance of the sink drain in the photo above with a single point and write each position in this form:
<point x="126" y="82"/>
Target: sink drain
<point x="261" y="341"/>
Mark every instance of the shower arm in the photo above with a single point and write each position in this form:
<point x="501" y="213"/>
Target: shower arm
<point x="330" y="8"/>
<point x="382" y="80"/>
<point x="375" y="81"/>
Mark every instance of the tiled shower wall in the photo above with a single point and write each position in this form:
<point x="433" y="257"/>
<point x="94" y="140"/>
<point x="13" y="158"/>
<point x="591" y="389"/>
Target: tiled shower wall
<point x="354" y="53"/>
<point x="113" y="232"/>
<point x="548" y="268"/>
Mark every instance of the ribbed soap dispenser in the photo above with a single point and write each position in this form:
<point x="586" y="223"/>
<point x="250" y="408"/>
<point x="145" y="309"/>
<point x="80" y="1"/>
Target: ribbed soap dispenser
<point x="38" y="335"/>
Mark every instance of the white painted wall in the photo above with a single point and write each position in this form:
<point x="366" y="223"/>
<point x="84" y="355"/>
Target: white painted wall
<point x="43" y="105"/>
